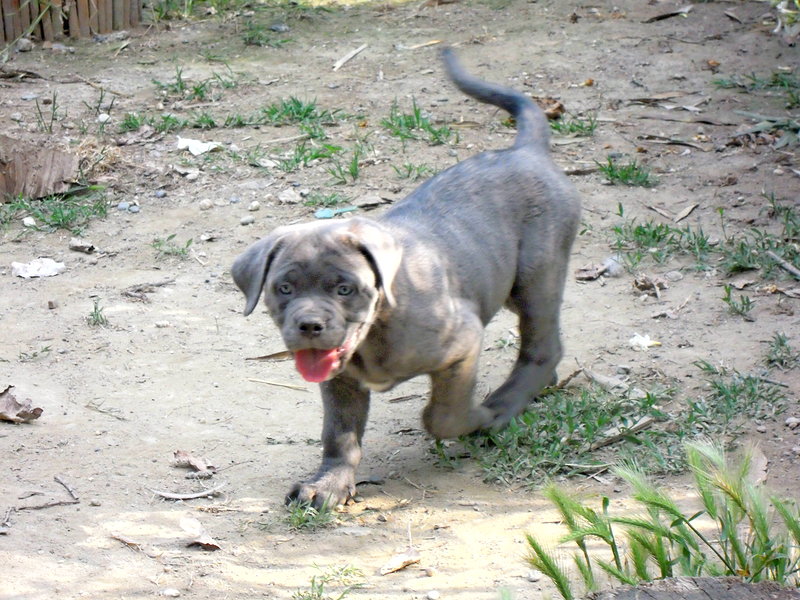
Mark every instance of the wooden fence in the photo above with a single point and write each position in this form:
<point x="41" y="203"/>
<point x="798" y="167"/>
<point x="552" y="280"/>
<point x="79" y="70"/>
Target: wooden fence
<point x="50" y="20"/>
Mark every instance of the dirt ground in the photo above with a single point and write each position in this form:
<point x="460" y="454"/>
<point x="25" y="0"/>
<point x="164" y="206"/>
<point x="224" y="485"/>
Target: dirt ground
<point x="171" y="373"/>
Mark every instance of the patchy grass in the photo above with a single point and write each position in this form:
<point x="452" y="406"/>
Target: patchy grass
<point x="780" y="354"/>
<point x="72" y="211"/>
<point x="344" y="579"/>
<point x="96" y="318"/>
<point x="304" y="517"/>
<point x="304" y="154"/>
<point x="415" y="125"/>
<point x="25" y="357"/>
<point x="738" y="306"/>
<point x="575" y="126"/>
<point x="169" y="247"/>
<point x="630" y="173"/>
<point x="754" y="537"/>
<point x="318" y="199"/>
<point x="588" y="429"/>
<point x="414" y="172"/>
<point x="257" y="34"/>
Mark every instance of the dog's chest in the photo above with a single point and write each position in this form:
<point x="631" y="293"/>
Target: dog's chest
<point x="371" y="373"/>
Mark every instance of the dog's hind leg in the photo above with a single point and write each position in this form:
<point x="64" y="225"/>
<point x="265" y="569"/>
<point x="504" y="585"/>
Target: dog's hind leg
<point x="536" y="299"/>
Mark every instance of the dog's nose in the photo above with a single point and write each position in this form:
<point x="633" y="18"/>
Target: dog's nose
<point x="311" y="327"/>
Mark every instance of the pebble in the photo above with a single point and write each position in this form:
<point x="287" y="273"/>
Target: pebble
<point x="673" y="276"/>
<point x="534" y="575"/>
<point x="16" y="117"/>
<point x="761" y="429"/>
<point x="254" y="206"/>
<point x="248" y="220"/>
<point x="613" y="266"/>
<point x="169" y="592"/>
<point x="279" y="27"/>
<point x="289" y="196"/>
<point x="29" y="97"/>
<point x="29" y="222"/>
<point x="206" y="204"/>
<point x="792" y="422"/>
<point x="433" y="595"/>
<point x="94" y="502"/>
<point x="24" y="45"/>
<point x="103" y="117"/>
<point x="623" y="369"/>
<point x="123" y="205"/>
<point x="160" y="193"/>
<point x="134" y="208"/>
<point x="192" y="176"/>
<point x="234" y="200"/>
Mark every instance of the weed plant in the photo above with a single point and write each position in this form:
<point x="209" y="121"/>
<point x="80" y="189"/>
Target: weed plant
<point x="169" y="247"/>
<point x="346" y="579"/>
<point x="96" y="317"/>
<point x="780" y="353"/>
<point x="587" y="430"/>
<point x="413" y="125"/>
<point x="740" y="531"/>
<point x="575" y="126"/>
<point x="630" y="173"/>
<point x="304" y="517"/>
<point x="71" y="211"/>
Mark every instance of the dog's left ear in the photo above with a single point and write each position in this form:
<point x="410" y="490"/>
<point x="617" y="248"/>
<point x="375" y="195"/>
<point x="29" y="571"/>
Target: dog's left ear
<point x="381" y="249"/>
<point x="250" y="268"/>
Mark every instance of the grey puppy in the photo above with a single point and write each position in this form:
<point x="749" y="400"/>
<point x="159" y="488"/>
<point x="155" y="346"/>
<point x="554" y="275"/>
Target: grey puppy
<point x="365" y="304"/>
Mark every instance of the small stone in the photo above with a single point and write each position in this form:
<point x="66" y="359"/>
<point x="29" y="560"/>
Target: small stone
<point x="16" y="117"/>
<point x="169" y="592"/>
<point x="162" y="324"/>
<point x="24" y="45"/>
<point x="206" y="204"/>
<point x="254" y="206"/>
<point x="94" y="502"/>
<point x="123" y="205"/>
<point x="192" y="176"/>
<point x="534" y="575"/>
<point x="279" y="27"/>
<point x="160" y="193"/>
<point x="761" y="429"/>
<point x="430" y="572"/>
<point x="103" y="117"/>
<point x="29" y="222"/>
<point x="52" y="304"/>
<point x="673" y="276"/>
<point x="792" y="422"/>
<point x="134" y="208"/>
<point x="623" y="369"/>
<point x="289" y="196"/>
<point x="796" y="449"/>
<point x="234" y="200"/>
<point x="433" y="595"/>
<point x="248" y="220"/>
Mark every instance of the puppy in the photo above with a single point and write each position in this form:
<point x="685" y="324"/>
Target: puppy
<point x="365" y="304"/>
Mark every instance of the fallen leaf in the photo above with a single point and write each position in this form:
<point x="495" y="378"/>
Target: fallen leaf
<point x="590" y="272"/>
<point x="553" y="108"/>
<point x="199" y="535"/>
<point x="681" y="12"/>
<point x="13" y="410"/>
<point x="685" y="212"/>
<point x="650" y="285"/>
<point x="642" y="342"/>
<point x="401" y="560"/>
<point x="184" y="458"/>
<point x="759" y="465"/>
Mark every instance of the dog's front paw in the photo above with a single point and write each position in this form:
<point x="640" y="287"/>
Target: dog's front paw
<point x="329" y="488"/>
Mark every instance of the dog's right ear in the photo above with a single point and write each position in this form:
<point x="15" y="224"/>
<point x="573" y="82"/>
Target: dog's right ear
<point x="250" y="268"/>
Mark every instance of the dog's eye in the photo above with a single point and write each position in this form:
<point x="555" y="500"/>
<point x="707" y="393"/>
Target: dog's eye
<point x="344" y="289"/>
<point x="285" y="289"/>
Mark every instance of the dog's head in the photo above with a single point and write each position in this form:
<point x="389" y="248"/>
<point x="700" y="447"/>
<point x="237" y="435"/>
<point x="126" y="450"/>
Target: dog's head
<point x="322" y="284"/>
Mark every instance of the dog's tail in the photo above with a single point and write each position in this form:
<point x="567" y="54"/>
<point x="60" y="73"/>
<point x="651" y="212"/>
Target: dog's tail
<point x="532" y="126"/>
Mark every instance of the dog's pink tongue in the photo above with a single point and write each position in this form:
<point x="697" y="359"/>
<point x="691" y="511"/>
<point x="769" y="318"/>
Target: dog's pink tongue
<point x="316" y="365"/>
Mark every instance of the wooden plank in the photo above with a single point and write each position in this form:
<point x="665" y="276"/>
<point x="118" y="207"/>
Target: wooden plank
<point x="83" y="17"/>
<point x="57" y="18"/>
<point x="36" y="22"/>
<point x="109" y="10"/>
<point x="8" y="20"/>
<point x="136" y="12"/>
<point x="2" y="27"/>
<point x="126" y="14"/>
<point x="47" y="21"/>
<point x="94" y="25"/>
<point x="74" y="22"/>
<point x="24" y="16"/>
<point x="116" y="16"/>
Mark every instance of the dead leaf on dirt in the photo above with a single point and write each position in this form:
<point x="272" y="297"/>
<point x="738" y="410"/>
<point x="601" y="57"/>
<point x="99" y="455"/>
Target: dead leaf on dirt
<point x="791" y="292"/>
<point x="590" y="272"/>
<point x="685" y="213"/>
<point x="759" y="465"/>
<point x="742" y="283"/>
<point x="732" y="16"/>
<point x="681" y="12"/>
<point x="198" y="534"/>
<point x="282" y="355"/>
<point x="17" y="412"/>
<point x="650" y="285"/>
<point x="400" y="561"/>
<point x="552" y="107"/>
<point x="143" y="134"/>
<point x="184" y="458"/>
<point x="660" y="97"/>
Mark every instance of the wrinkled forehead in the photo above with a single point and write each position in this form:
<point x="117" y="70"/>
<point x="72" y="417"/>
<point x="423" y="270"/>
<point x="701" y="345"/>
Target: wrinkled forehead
<point x="319" y="253"/>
